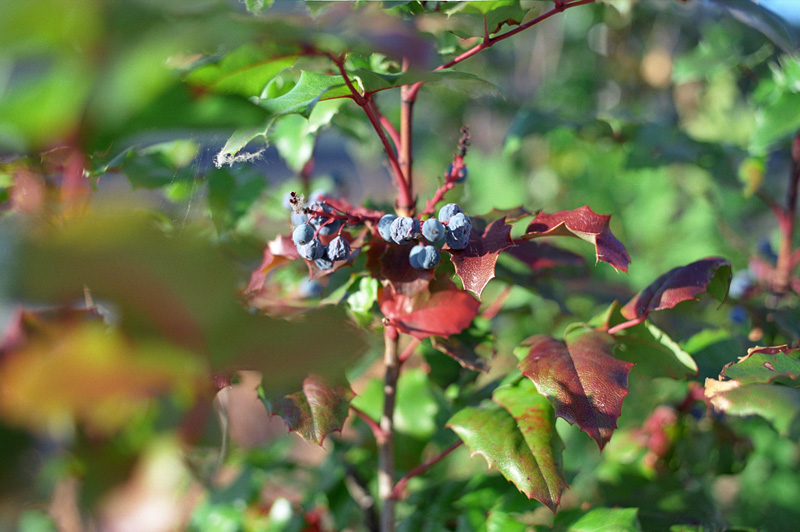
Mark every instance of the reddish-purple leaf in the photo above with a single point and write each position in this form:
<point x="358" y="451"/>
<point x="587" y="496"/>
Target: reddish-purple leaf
<point x="396" y="268"/>
<point x="518" y="437"/>
<point x="475" y="264"/>
<point x="441" y="313"/>
<point x="680" y="284"/>
<point x="581" y="378"/>
<point x="314" y="412"/>
<point x="461" y="353"/>
<point x="586" y="225"/>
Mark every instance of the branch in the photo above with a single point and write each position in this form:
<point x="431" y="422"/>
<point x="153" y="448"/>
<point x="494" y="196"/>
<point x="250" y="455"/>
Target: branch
<point x="386" y="469"/>
<point x="405" y="199"/>
<point x="401" y="484"/>
<point x="786" y="223"/>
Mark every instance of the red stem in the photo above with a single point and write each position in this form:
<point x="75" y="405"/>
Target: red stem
<point x="408" y="351"/>
<point x="401" y="484"/>
<point x="627" y="324"/>
<point x="387" y="125"/>
<point x="371" y="423"/>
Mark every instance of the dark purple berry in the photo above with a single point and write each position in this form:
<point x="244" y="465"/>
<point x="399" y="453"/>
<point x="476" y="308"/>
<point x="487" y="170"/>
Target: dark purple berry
<point x="311" y="251"/>
<point x="338" y="249"/>
<point x="458" y="230"/>
<point x="404" y="229"/>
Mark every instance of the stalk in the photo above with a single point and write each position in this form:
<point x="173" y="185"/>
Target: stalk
<point x="386" y="470"/>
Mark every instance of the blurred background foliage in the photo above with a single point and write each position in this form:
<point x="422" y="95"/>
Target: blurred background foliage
<point x="672" y="116"/>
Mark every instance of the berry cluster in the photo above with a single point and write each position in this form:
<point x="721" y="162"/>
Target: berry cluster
<point x="310" y="222"/>
<point x="451" y="227"/>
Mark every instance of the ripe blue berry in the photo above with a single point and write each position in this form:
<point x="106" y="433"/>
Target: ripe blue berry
<point x="458" y="230"/>
<point x="311" y="251"/>
<point x="404" y="229"/>
<point x="424" y="257"/>
<point x="384" y="224"/>
<point x="310" y="289"/>
<point x="316" y="196"/>
<point x="338" y="249"/>
<point x="433" y="230"/>
<point x="302" y="234"/>
<point x="448" y="211"/>
<point x="329" y="229"/>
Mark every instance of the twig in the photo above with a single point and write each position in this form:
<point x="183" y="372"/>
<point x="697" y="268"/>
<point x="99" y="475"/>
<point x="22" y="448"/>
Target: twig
<point x="401" y="484"/>
<point x="386" y="442"/>
<point x="408" y="351"/>
<point x="371" y="423"/>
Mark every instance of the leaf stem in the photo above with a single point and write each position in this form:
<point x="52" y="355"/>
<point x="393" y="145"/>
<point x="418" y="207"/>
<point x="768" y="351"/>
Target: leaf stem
<point x="371" y="423"/>
<point x="408" y="351"/>
<point x="400" y="487"/>
<point x="627" y="324"/>
<point x="386" y="470"/>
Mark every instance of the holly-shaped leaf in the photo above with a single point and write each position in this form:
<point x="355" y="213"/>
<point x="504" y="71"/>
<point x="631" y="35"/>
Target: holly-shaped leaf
<point x="441" y="313"/>
<point x="680" y="284"/>
<point x="587" y="225"/>
<point x="315" y="412"/>
<point x="765" y="365"/>
<point x="581" y="378"/>
<point x="517" y="436"/>
<point x="475" y="264"/>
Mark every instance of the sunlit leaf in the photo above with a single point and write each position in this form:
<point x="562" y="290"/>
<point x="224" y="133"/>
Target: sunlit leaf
<point x="518" y="437"/>
<point x="764" y="365"/>
<point x="441" y="313"/>
<point x="586" y="225"/>
<point x="779" y="405"/>
<point x="600" y="520"/>
<point x="475" y="264"/>
<point x="581" y="377"/>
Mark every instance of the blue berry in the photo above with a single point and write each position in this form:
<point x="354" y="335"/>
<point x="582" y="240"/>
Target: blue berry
<point x="317" y="196"/>
<point x="338" y="249"/>
<point x="324" y="263"/>
<point x="383" y="226"/>
<point x="741" y="283"/>
<point x="319" y="220"/>
<point x="458" y="230"/>
<point x="311" y="251"/>
<point x="302" y="234"/>
<point x="433" y="230"/>
<point x="448" y="211"/>
<point x="404" y="229"/>
<point x="424" y="257"/>
<point x="329" y="229"/>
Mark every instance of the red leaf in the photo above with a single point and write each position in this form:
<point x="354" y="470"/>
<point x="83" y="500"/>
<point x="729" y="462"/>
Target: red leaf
<point x="581" y="378"/>
<point x="681" y="284"/>
<point x="586" y="225"/>
<point x="475" y="264"/>
<point x="394" y="266"/>
<point x="278" y="251"/>
<point x="441" y="313"/>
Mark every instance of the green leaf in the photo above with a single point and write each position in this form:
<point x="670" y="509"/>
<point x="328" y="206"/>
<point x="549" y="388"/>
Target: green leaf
<point x="765" y="365"/>
<point x="256" y="6"/>
<point x="600" y="520"/>
<point x="581" y="378"/>
<point x="779" y="405"/>
<point x="518" y="437"/>
<point x="245" y="71"/>
<point x="316" y="411"/>
<point x="776" y="121"/>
